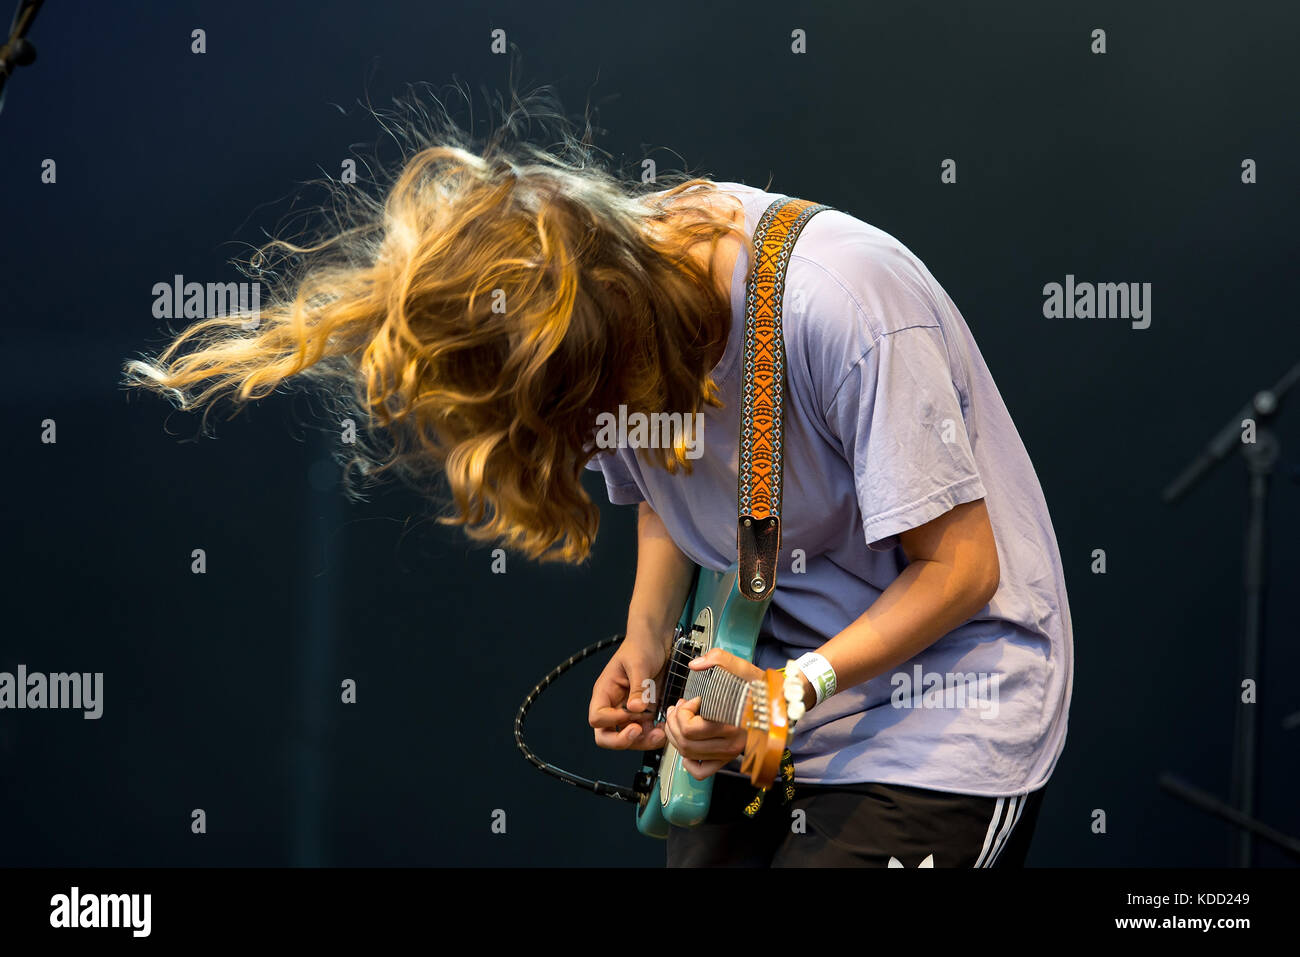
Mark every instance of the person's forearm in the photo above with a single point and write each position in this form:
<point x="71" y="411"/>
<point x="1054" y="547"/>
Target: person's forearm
<point x="663" y="577"/>
<point x="928" y="600"/>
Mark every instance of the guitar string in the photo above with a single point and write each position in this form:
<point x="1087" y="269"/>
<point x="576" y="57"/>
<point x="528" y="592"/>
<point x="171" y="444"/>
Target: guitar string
<point x="723" y="695"/>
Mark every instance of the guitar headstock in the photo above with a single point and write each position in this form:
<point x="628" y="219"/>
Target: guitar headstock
<point x="775" y="704"/>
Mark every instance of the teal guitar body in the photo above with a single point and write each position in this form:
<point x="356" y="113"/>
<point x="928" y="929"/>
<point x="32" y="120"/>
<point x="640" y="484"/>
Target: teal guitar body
<point x="716" y="615"/>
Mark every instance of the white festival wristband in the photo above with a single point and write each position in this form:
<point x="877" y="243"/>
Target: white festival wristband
<point x="819" y="673"/>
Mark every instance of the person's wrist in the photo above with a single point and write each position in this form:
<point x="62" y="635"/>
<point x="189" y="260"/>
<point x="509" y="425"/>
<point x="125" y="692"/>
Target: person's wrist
<point x="809" y="692"/>
<point x="649" y="635"/>
<point x="819" y="677"/>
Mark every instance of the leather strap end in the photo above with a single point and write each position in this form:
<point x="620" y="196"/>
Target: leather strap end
<point x="758" y="542"/>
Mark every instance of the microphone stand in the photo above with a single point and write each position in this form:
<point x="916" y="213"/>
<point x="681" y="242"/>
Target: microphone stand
<point x="17" y="50"/>
<point x="1261" y="457"/>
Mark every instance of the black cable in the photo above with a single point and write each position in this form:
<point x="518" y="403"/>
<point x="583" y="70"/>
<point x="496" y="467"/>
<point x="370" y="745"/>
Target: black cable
<point x="603" y="788"/>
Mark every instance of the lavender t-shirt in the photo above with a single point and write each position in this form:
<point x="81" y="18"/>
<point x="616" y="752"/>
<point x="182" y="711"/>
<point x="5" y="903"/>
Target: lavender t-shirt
<point x="891" y="419"/>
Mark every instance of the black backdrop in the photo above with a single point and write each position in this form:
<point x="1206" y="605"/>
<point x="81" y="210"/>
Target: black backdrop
<point x="222" y="690"/>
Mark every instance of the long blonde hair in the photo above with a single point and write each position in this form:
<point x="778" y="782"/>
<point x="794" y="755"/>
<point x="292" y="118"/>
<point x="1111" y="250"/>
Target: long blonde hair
<point x="473" y="318"/>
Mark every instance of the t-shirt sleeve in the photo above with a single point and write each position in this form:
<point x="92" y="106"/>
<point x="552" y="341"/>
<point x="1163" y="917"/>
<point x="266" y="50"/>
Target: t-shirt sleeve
<point x="899" y="421"/>
<point x="620" y="486"/>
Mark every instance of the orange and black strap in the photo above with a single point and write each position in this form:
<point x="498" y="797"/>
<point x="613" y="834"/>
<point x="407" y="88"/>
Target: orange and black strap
<point x="758" y="528"/>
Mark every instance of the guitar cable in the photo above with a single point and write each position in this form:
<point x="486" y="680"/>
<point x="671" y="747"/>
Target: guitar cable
<point x="602" y="788"/>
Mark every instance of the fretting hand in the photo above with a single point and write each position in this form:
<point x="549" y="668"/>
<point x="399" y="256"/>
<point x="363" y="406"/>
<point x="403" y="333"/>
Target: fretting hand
<point x="706" y="746"/>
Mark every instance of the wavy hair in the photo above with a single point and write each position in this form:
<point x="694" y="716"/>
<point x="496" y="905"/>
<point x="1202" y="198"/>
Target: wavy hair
<point x="474" y="317"/>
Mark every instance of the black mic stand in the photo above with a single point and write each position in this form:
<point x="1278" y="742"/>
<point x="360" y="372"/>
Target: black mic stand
<point x="1261" y="457"/>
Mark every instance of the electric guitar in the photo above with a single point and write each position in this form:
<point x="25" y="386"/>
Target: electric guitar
<point x="716" y="615"/>
<point x="726" y="609"/>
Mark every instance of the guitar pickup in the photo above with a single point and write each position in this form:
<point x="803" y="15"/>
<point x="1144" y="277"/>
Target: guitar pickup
<point x="686" y="648"/>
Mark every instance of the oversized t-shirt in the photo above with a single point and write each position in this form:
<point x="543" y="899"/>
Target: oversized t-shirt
<point x="891" y="419"/>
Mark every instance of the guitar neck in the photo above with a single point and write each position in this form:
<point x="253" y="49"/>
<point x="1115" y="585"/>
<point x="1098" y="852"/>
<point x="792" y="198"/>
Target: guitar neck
<point x="722" y="695"/>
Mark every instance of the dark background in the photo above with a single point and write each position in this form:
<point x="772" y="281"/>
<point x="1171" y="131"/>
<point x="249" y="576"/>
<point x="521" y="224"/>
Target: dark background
<point x="222" y="690"/>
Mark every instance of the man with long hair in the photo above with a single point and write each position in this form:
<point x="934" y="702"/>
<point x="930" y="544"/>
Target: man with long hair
<point x="479" y="316"/>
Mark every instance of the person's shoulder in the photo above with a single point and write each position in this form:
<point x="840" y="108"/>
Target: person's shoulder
<point x="728" y="186"/>
<point x="849" y="284"/>
<point x="858" y="273"/>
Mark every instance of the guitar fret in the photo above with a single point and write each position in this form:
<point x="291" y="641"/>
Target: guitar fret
<point x="722" y="695"/>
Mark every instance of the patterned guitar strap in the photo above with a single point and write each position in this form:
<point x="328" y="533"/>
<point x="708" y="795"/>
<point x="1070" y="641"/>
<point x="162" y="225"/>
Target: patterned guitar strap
<point x="758" y="526"/>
